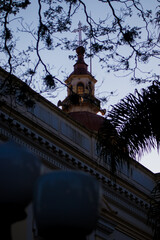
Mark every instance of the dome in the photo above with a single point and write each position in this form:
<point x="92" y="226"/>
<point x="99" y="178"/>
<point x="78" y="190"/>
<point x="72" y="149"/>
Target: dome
<point x="89" y="120"/>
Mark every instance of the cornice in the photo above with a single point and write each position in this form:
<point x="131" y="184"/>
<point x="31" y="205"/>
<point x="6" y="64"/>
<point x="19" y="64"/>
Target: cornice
<point x="62" y="114"/>
<point x="80" y="76"/>
<point x="125" y="223"/>
<point x="60" y="141"/>
<point x="134" y="232"/>
<point x="48" y="150"/>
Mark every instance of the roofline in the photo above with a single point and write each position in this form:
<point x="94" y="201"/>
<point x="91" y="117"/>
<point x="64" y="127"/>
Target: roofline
<point x="49" y="104"/>
<point x="46" y="102"/>
<point x="80" y="76"/>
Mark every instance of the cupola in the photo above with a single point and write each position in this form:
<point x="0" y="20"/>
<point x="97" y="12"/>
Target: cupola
<point x="81" y="88"/>
<point x="81" y="103"/>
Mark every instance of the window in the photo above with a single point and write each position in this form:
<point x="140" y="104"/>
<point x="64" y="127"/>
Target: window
<point x="80" y="88"/>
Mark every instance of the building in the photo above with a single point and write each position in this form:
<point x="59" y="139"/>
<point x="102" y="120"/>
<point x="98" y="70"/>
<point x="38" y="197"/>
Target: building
<point x="66" y="139"/>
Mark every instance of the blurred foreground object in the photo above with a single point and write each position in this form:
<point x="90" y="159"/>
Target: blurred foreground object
<point x="66" y="205"/>
<point x="19" y="170"/>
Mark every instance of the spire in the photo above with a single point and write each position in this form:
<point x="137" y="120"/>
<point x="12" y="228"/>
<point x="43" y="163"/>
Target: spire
<point x="80" y="67"/>
<point x="80" y="52"/>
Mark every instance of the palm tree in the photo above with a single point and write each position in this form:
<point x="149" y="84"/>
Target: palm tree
<point x="132" y="127"/>
<point x="136" y="119"/>
<point x="135" y="122"/>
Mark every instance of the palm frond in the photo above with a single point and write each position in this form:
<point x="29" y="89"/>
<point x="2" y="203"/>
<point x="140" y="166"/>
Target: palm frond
<point x="136" y="119"/>
<point x="111" y="147"/>
<point x="131" y="127"/>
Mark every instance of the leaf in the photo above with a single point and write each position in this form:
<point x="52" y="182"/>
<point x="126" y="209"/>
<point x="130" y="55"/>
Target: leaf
<point x="49" y="81"/>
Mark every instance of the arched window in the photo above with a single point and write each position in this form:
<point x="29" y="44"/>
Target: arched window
<point x="80" y="88"/>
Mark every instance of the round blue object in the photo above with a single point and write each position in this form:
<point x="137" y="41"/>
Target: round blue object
<point x="19" y="170"/>
<point x="66" y="200"/>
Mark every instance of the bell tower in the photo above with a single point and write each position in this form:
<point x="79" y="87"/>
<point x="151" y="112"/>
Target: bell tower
<point x="81" y="89"/>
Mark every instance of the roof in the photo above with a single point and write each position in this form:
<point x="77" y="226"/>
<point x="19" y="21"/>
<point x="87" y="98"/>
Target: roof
<point x="80" y="68"/>
<point x="89" y="120"/>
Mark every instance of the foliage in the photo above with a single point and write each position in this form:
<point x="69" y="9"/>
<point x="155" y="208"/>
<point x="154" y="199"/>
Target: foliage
<point x="132" y="126"/>
<point x="136" y="120"/>
<point x="109" y="36"/>
<point x="111" y="147"/>
<point x="49" y="81"/>
<point x="13" y="91"/>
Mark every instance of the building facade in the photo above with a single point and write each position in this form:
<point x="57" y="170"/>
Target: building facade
<point x="65" y="139"/>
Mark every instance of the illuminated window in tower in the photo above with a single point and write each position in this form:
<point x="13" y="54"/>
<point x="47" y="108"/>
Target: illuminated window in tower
<point x="80" y="88"/>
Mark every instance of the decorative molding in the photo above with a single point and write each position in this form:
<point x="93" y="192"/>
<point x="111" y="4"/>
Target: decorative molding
<point x="57" y="157"/>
